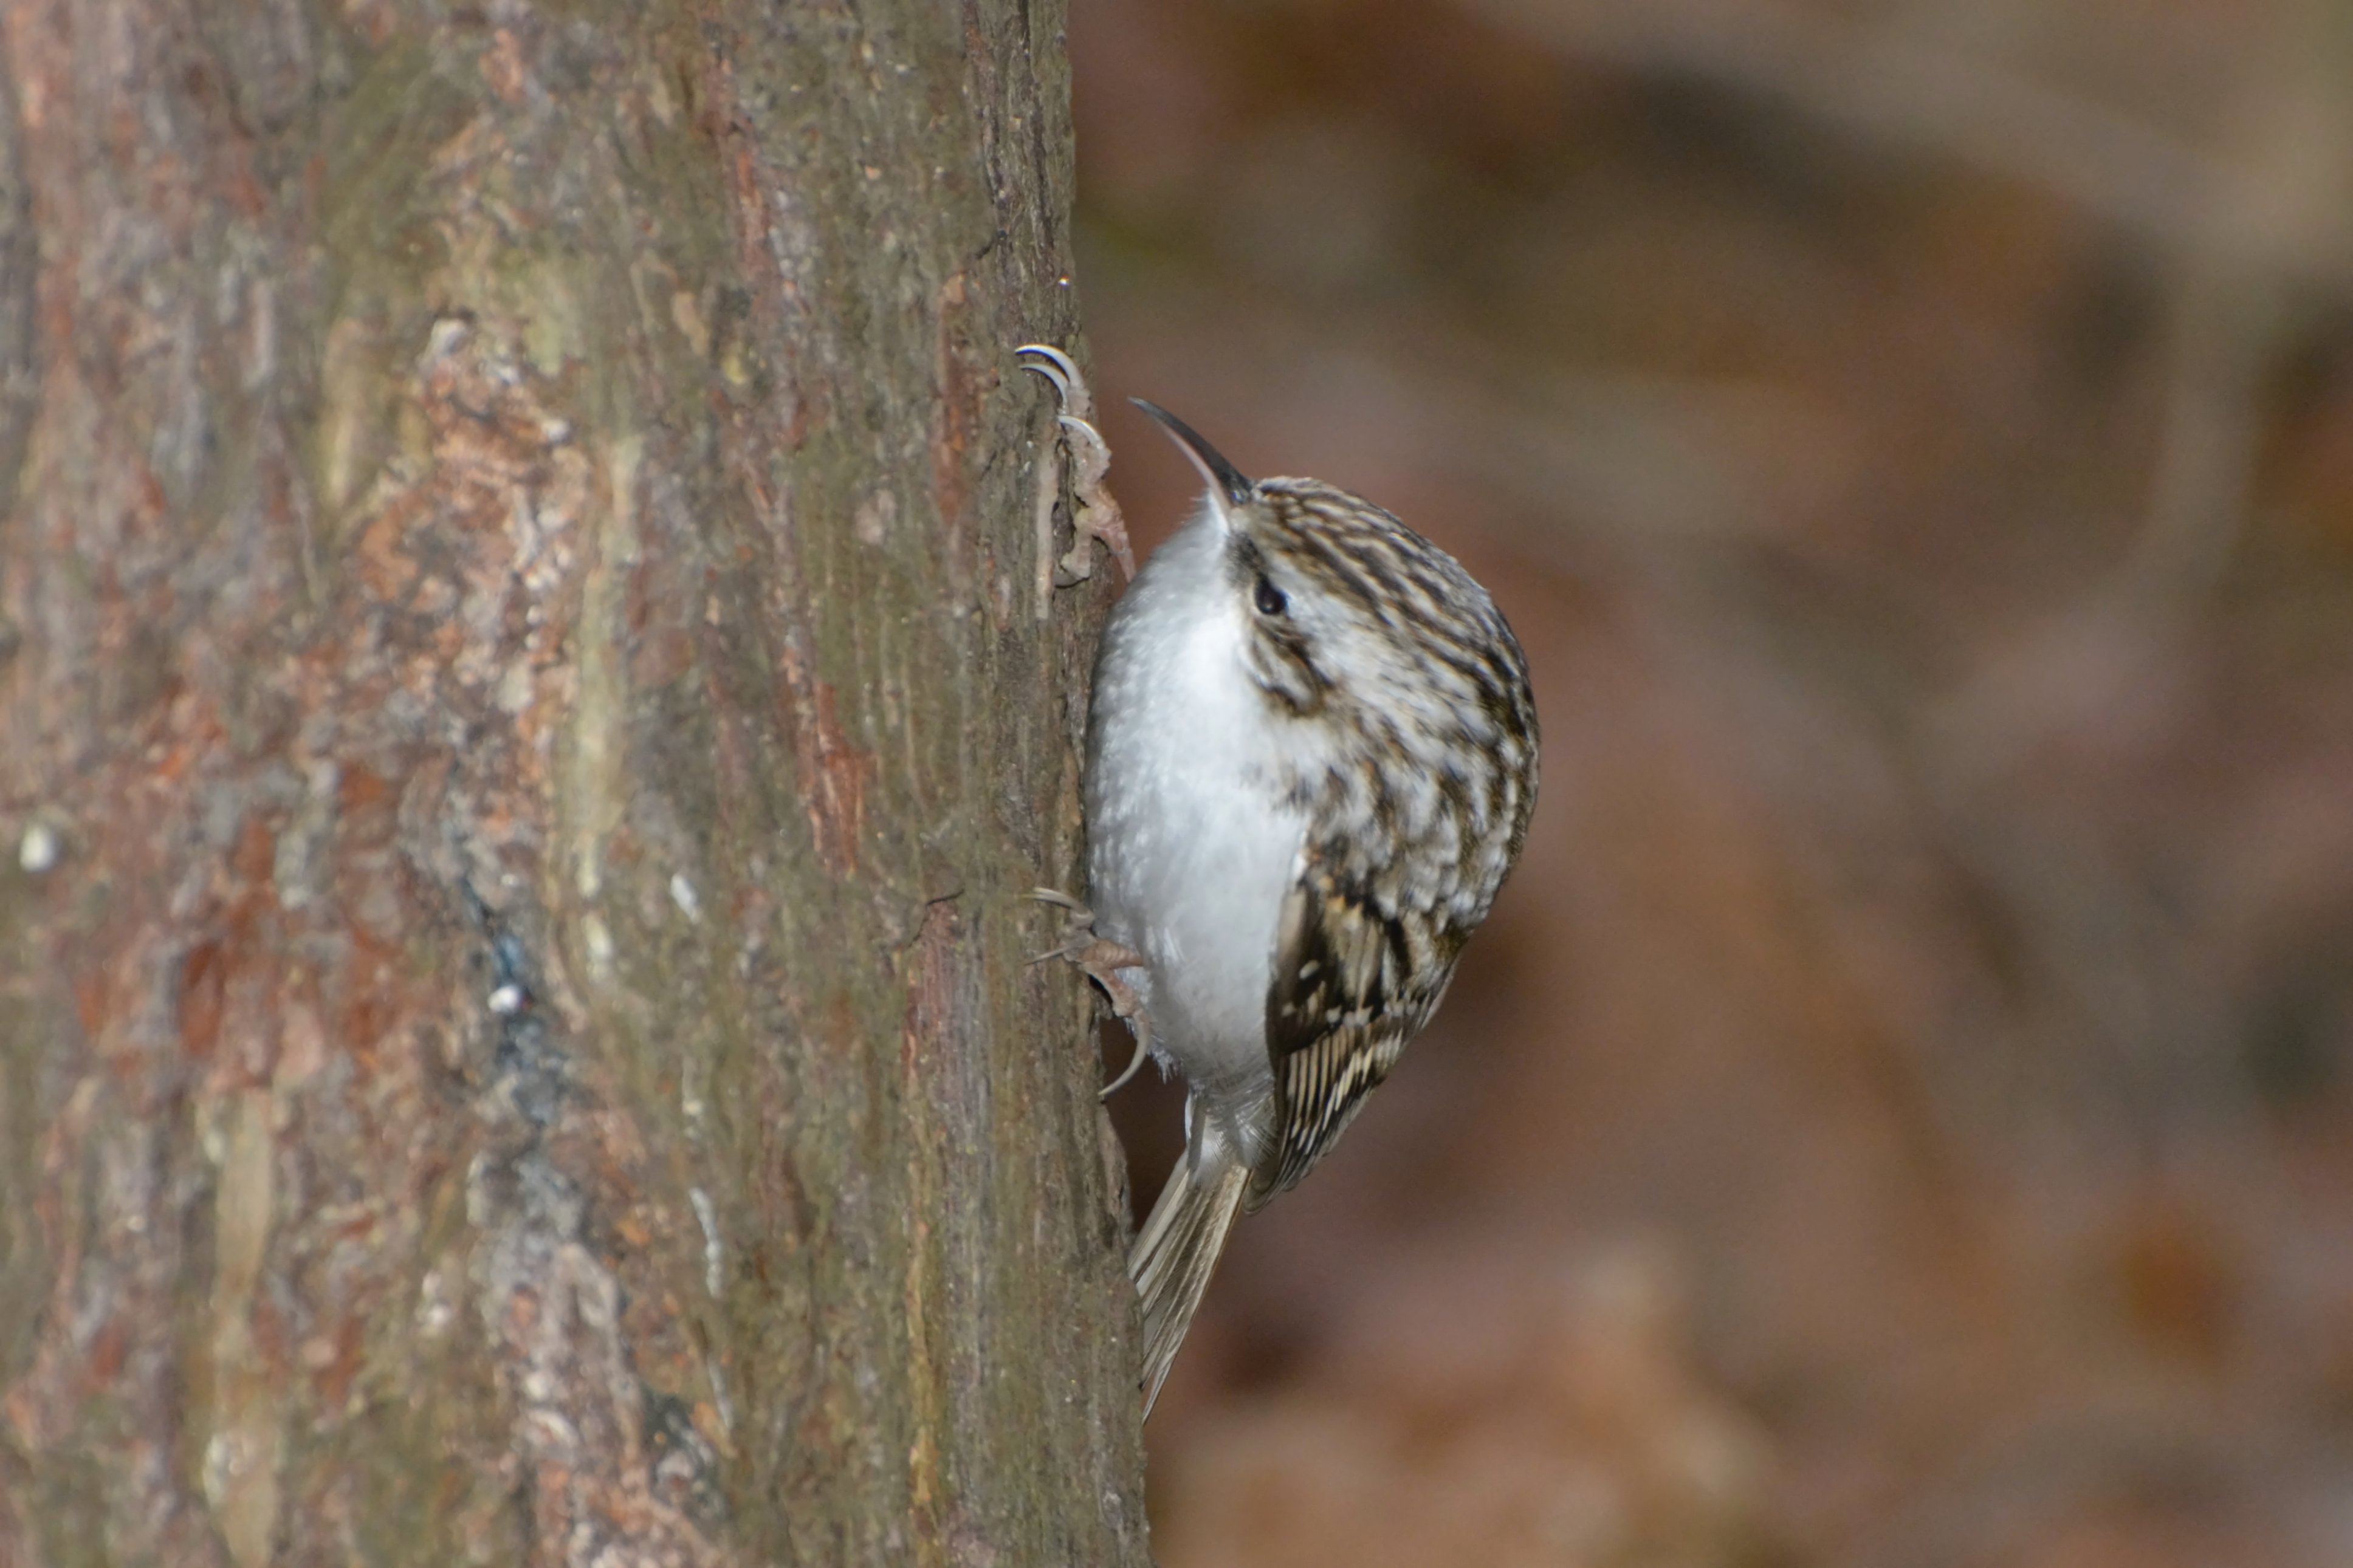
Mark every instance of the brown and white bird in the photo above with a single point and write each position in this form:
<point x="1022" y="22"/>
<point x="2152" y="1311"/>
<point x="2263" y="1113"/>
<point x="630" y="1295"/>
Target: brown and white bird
<point x="1311" y="760"/>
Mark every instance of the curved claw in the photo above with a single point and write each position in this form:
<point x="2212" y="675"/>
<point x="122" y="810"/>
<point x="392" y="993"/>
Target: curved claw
<point x="1085" y="918"/>
<point x="1054" y="377"/>
<point x="1084" y="431"/>
<point x="1101" y="960"/>
<point x="1058" y="368"/>
<point x="1061" y="361"/>
<point x="1134" y="1064"/>
<point x="1070" y="386"/>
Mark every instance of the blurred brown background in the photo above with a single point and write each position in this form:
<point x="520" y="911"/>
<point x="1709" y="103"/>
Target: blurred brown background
<point x="1901" y="1112"/>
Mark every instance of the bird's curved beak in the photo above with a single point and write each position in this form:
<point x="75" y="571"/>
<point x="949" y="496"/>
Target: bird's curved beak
<point x="1225" y="480"/>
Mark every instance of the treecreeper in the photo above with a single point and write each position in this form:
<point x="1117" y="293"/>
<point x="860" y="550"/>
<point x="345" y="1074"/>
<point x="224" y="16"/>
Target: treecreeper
<point x="1311" y="760"/>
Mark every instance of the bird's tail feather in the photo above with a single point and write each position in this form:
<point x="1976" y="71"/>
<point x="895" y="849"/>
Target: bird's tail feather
<point x="1175" y="1253"/>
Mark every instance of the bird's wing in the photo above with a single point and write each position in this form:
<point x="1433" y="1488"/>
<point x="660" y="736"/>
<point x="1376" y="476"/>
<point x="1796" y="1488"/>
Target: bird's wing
<point x="1344" y="1002"/>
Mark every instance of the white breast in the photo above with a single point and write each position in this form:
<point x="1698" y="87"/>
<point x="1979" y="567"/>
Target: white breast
<point x="1191" y="844"/>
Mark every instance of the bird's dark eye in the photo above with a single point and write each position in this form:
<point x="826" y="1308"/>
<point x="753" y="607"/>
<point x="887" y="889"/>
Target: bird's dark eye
<point x="1268" y="598"/>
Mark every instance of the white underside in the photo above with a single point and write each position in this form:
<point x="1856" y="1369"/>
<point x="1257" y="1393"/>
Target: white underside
<point x="1193" y="848"/>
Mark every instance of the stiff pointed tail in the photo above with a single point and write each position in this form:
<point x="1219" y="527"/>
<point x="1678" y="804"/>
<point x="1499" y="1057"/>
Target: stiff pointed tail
<point x="1175" y="1254"/>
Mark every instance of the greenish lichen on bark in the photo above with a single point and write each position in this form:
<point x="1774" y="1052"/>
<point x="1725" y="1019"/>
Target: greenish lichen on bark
<point x="525" y="1049"/>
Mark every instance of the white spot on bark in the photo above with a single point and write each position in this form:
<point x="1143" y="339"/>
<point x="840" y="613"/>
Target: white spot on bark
<point x="39" y="849"/>
<point x="714" y="1251"/>
<point x="871" y="522"/>
<point x="599" y="941"/>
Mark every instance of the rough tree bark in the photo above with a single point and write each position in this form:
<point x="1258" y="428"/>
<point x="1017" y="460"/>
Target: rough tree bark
<point x="524" y="720"/>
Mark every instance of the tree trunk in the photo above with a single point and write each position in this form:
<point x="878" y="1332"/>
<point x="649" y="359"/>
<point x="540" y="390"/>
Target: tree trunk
<point x="527" y="710"/>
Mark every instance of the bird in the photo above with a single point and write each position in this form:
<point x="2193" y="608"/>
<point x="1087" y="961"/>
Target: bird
<point x="1311" y="761"/>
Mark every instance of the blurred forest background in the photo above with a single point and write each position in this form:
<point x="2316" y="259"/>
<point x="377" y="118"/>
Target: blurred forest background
<point x="1902" y="1111"/>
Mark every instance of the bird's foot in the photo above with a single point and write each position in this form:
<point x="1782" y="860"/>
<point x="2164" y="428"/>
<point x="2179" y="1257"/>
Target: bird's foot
<point x="1099" y="958"/>
<point x="1095" y="516"/>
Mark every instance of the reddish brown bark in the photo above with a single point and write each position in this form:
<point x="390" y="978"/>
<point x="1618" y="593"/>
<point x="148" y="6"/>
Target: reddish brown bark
<point x="525" y="731"/>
